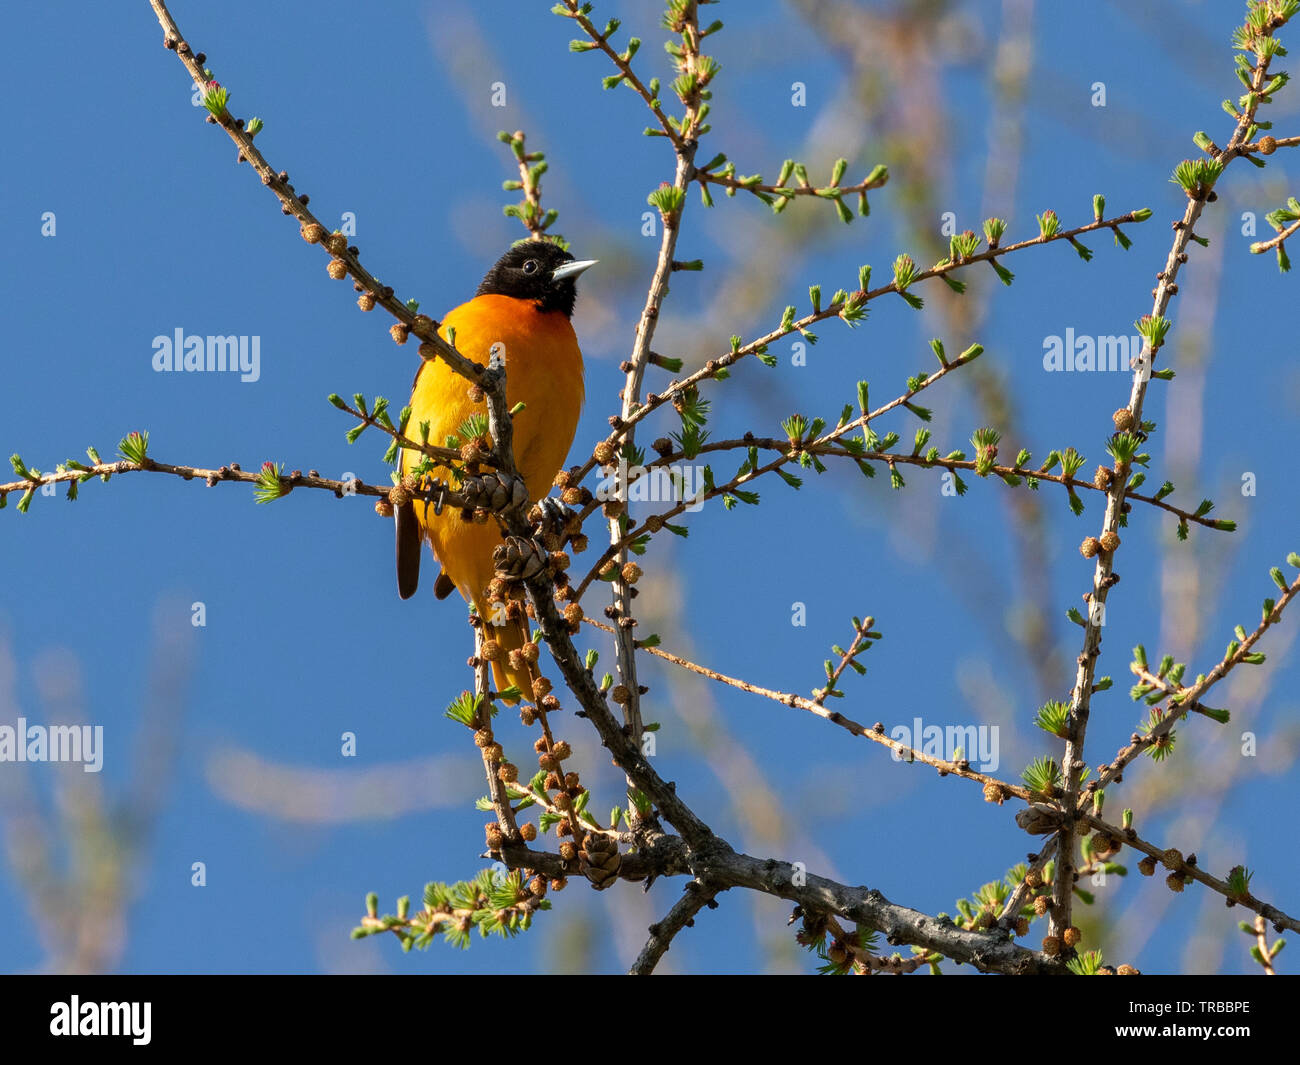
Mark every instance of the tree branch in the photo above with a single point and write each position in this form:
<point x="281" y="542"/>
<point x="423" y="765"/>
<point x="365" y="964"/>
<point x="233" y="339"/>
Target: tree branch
<point x="1103" y="577"/>
<point x="695" y="896"/>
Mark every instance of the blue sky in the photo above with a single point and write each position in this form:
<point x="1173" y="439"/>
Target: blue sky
<point x="232" y="730"/>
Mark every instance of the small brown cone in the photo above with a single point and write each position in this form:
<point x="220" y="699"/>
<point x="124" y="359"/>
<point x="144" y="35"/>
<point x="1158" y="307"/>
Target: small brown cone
<point x="518" y="559"/>
<point x="600" y="860"/>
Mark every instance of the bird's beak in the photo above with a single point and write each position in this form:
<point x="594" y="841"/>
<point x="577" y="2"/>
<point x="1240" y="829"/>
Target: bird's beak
<point x="572" y="269"/>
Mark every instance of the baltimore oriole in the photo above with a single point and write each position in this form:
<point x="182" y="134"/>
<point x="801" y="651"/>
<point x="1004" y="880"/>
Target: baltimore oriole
<point x="524" y="303"/>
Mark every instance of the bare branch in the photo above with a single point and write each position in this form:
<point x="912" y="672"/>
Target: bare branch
<point x="695" y="896"/>
<point x="875" y="733"/>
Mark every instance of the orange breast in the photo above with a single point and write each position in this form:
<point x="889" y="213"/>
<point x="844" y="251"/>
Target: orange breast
<point x="543" y="371"/>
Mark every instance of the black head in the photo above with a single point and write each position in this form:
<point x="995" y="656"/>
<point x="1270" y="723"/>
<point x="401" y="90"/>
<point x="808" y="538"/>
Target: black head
<point x="536" y="270"/>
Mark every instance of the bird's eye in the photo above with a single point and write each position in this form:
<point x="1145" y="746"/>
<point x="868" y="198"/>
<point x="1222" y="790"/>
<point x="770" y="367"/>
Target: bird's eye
<point x="530" y="266"/>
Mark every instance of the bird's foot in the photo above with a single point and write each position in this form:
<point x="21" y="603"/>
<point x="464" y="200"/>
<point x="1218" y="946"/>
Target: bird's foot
<point x="554" y="522"/>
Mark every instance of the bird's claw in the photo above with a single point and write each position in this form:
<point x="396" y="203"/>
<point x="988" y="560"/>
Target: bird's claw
<point x="554" y="511"/>
<point x="553" y="522"/>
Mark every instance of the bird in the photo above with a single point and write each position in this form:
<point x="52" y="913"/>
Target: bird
<point x="523" y="308"/>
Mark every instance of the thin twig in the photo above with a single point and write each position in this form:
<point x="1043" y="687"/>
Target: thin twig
<point x="875" y="733"/>
<point x="726" y="181"/>
<point x="866" y="962"/>
<point x="532" y="216"/>
<point x="1035" y="863"/>
<point x="1261" y="943"/>
<point x="832" y="310"/>
<point x="1081" y="695"/>
<point x="232" y="472"/>
<point x="823" y="448"/>
<point x="621" y="589"/>
<point x="1257" y="147"/>
<point x="292" y="203"/>
<point x="655" y="522"/>
<point x="446" y="454"/>
<point x="625" y="68"/>
<point x="1175" y="863"/>
<point x="1268" y="245"/>
<point x="490" y="751"/>
<point x="1189" y="698"/>
<point x="695" y="896"/>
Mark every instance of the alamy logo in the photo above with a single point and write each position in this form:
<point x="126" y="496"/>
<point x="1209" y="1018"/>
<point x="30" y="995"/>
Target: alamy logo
<point x="213" y="354"/>
<point x="53" y="743"/>
<point x="978" y="744"/>
<point x="102" y="1018"/>
<point x="658" y="484"/>
<point x="1082" y="354"/>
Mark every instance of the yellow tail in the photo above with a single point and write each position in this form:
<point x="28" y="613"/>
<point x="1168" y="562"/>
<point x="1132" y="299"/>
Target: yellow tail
<point x="511" y="636"/>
